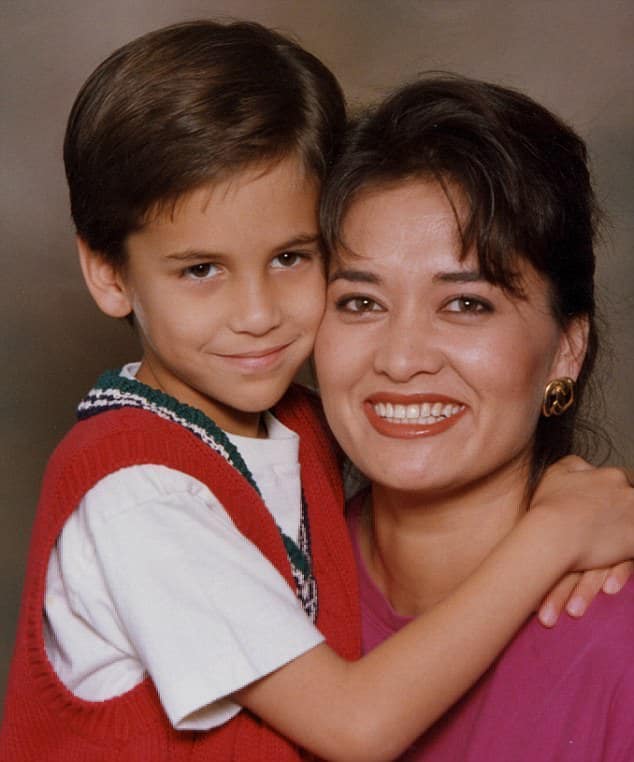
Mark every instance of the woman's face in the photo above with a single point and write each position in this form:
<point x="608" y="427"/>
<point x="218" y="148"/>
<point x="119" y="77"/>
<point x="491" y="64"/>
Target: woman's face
<point x="431" y="377"/>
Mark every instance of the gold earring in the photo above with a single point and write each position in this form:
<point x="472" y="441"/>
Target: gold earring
<point x="558" y="396"/>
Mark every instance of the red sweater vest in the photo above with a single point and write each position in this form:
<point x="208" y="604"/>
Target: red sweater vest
<point x="42" y="719"/>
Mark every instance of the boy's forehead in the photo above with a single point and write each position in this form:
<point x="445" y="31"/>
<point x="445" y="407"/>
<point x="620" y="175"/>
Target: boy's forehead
<point x="259" y="208"/>
<point x="291" y="170"/>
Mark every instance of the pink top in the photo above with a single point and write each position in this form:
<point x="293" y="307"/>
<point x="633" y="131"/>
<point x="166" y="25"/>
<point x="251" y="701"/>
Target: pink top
<point x="561" y="695"/>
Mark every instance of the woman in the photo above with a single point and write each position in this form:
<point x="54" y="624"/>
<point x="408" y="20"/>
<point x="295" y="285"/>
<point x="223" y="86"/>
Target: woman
<point x="457" y="344"/>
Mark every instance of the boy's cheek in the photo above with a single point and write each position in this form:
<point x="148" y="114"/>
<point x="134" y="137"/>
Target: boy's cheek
<point x="312" y="300"/>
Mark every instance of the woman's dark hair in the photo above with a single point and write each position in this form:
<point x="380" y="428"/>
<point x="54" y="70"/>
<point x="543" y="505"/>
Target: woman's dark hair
<point x="186" y="105"/>
<point x="525" y="178"/>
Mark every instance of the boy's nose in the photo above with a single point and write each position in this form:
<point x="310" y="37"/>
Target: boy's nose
<point x="257" y="309"/>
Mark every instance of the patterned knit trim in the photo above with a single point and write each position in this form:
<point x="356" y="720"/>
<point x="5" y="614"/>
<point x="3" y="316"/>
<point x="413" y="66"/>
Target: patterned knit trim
<point x="113" y="391"/>
<point x="305" y="582"/>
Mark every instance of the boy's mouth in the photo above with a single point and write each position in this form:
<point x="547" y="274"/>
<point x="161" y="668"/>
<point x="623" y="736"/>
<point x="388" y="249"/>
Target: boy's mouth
<point x="258" y="352"/>
<point x="257" y="359"/>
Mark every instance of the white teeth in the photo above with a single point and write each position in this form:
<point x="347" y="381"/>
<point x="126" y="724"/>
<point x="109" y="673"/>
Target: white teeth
<point x="413" y="411"/>
<point x="426" y="412"/>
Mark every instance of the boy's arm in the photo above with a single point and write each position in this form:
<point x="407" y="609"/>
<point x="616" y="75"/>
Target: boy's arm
<point x="374" y="708"/>
<point x="575" y="592"/>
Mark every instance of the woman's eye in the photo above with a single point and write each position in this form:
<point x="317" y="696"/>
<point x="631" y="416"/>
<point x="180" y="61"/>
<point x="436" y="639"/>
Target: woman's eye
<point x="287" y="259"/>
<point x="358" y="304"/>
<point x="468" y="304"/>
<point x="203" y="271"/>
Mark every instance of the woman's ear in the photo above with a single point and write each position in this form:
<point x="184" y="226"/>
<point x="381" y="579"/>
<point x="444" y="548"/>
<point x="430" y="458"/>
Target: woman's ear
<point x="572" y="348"/>
<point x="104" y="281"/>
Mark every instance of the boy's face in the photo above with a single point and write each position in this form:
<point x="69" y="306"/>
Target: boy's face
<point x="227" y="291"/>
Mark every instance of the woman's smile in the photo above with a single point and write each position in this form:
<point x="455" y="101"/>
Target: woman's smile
<point x="398" y="415"/>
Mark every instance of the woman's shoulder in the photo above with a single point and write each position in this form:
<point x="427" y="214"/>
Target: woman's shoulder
<point x="614" y="613"/>
<point x="608" y="621"/>
<point x="556" y="691"/>
<point x="599" y="643"/>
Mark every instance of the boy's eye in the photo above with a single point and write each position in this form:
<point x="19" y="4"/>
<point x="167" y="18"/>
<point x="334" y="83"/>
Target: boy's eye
<point x="468" y="304"/>
<point x="358" y="304"/>
<point x="287" y="259"/>
<point x="202" y="271"/>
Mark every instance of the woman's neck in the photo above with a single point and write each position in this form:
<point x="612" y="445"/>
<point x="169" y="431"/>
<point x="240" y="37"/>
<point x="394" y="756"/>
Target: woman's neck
<point x="419" y="548"/>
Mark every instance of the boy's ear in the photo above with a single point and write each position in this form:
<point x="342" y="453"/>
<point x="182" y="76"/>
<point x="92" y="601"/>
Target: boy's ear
<point x="104" y="281"/>
<point x="572" y="348"/>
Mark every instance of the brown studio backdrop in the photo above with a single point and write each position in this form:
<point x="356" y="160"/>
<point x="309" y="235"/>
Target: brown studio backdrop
<point x="574" y="56"/>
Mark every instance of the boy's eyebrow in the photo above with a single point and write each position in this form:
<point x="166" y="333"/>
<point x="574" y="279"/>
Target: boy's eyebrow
<point x="303" y="239"/>
<point x="193" y="254"/>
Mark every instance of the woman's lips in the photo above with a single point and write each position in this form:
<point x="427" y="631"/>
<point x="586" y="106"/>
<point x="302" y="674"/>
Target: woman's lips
<point x="407" y="416"/>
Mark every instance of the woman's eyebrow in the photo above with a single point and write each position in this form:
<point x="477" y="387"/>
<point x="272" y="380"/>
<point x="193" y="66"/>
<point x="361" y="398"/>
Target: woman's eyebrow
<point x="365" y="276"/>
<point x="459" y="276"/>
<point x="355" y="276"/>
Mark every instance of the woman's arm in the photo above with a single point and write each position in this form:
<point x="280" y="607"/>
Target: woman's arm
<point x="374" y="708"/>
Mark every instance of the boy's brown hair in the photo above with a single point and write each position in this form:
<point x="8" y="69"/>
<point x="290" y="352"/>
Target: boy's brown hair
<point x="186" y="105"/>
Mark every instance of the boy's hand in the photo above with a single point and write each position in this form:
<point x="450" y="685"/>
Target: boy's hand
<point x="575" y="592"/>
<point x="603" y="487"/>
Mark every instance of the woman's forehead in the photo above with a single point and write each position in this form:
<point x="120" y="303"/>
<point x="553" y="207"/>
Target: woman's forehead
<point x="419" y="213"/>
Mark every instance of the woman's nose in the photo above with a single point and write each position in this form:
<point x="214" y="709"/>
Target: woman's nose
<point x="409" y="347"/>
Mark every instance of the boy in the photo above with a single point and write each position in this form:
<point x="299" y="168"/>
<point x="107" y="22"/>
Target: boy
<point x="194" y="157"/>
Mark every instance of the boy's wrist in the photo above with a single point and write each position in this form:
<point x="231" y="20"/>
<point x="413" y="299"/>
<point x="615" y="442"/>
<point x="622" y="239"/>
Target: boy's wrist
<point x="551" y="537"/>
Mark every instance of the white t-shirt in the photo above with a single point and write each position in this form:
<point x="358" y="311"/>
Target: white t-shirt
<point x="150" y="575"/>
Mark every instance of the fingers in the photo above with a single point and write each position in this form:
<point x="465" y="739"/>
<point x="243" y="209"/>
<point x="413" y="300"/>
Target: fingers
<point x="575" y="592"/>
<point x="585" y="591"/>
<point x="553" y="604"/>
<point x="617" y="576"/>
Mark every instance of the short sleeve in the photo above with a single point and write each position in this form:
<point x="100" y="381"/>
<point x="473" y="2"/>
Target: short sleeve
<point x="157" y="573"/>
